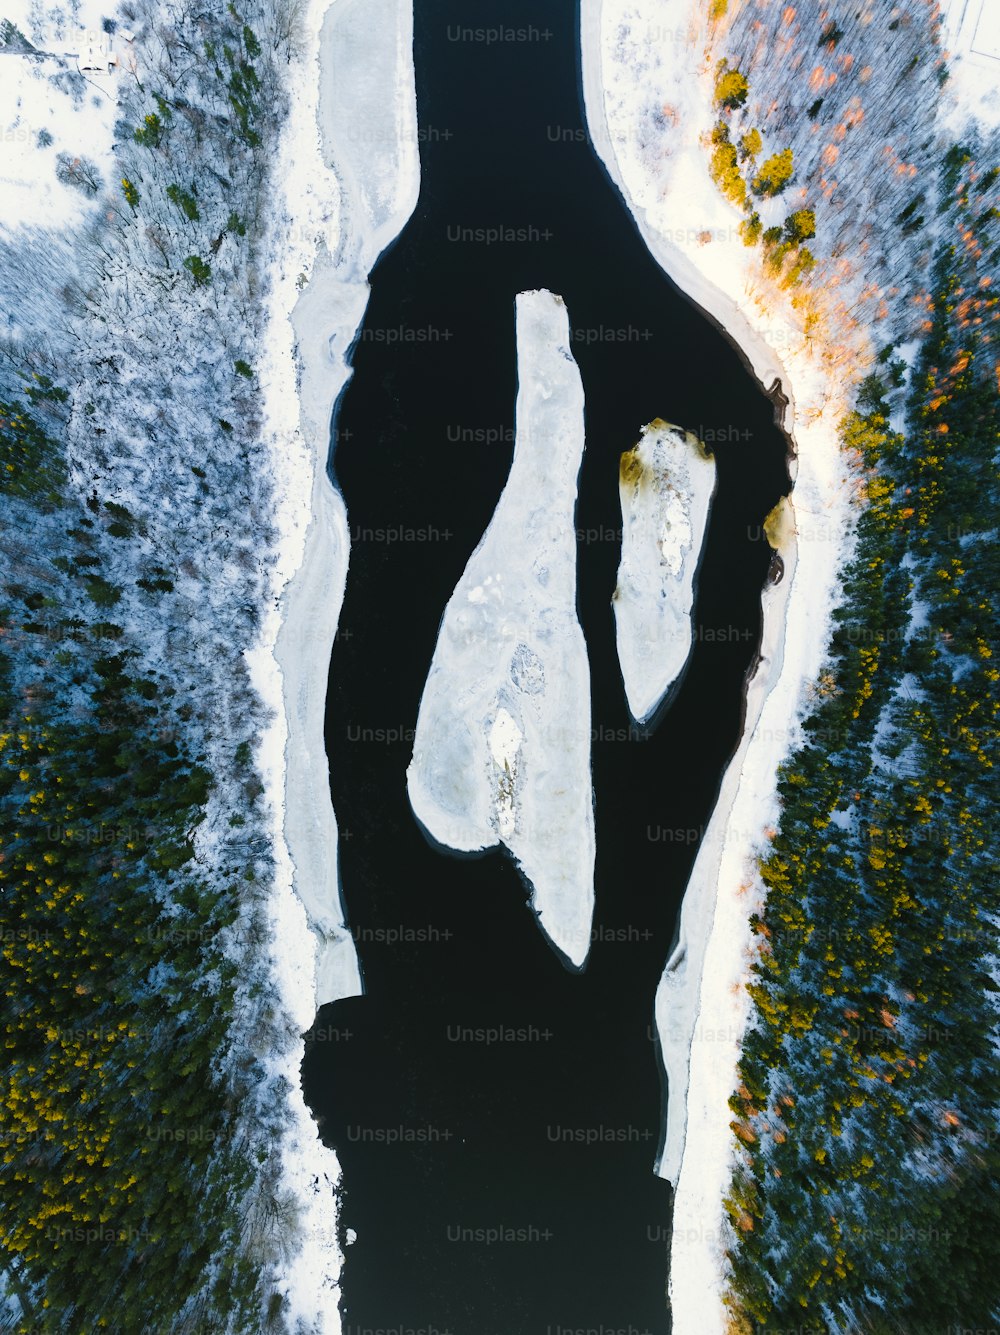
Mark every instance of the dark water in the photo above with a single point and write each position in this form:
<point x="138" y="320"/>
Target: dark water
<point x="443" y="1125"/>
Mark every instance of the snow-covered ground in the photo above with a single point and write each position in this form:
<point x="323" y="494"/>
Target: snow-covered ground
<point x="972" y="30"/>
<point x="666" y="485"/>
<point x="502" y="746"/>
<point x="47" y="109"/>
<point x="336" y="210"/>
<point x="648" y="95"/>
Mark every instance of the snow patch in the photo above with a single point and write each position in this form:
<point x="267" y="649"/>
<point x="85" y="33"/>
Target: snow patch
<point x="369" y="115"/>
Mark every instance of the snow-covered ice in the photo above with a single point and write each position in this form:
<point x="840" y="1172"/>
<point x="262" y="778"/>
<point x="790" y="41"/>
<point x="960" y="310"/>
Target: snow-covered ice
<point x="700" y="1025"/>
<point x="368" y="112"/>
<point x="351" y="175"/>
<point x="502" y="746"/>
<point x="666" y="485"/>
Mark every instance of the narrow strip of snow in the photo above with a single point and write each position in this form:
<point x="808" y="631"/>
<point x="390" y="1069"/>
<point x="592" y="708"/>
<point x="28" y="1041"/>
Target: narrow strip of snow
<point x="368" y="115"/>
<point x="310" y="611"/>
<point x="666" y="485"/>
<point x="700" y="1025"/>
<point x="502" y="746"/>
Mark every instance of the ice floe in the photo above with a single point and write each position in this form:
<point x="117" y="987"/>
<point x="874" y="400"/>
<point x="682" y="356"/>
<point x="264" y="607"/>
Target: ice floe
<point x="666" y="483"/>
<point x="502" y="746"/>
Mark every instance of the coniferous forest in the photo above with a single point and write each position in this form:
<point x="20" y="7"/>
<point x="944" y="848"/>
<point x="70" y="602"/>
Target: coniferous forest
<point x="866" y="1127"/>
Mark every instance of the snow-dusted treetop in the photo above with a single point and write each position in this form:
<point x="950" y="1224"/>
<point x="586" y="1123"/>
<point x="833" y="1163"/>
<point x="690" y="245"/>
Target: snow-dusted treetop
<point x="502" y="747"/>
<point x="666" y="484"/>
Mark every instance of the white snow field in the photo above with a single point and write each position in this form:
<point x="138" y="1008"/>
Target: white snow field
<point x="666" y="485"/>
<point x="972" y="93"/>
<point x="332" y="217"/>
<point x="41" y="118"/>
<point x="502" y="746"/>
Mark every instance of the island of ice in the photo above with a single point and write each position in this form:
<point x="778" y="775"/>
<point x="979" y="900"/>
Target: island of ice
<point x="502" y="746"/>
<point x="666" y="484"/>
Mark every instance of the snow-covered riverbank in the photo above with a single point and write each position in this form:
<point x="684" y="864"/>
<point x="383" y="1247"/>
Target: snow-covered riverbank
<point x="648" y="97"/>
<point x="342" y="196"/>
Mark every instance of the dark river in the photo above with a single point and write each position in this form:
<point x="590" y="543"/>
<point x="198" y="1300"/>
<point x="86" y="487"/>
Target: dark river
<point x="461" y="1092"/>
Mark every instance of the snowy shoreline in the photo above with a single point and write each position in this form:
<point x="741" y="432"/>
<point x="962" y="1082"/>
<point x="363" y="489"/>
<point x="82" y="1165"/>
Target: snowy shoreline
<point x="335" y="210"/>
<point x="701" y="1004"/>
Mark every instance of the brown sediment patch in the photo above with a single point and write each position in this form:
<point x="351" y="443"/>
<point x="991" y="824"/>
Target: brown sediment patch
<point x="631" y="469"/>
<point x="698" y="445"/>
<point x="779" y="526"/>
